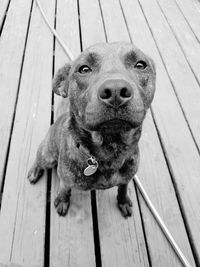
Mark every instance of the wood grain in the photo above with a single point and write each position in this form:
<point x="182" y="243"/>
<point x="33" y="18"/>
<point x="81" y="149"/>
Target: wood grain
<point x="155" y="177"/>
<point x="191" y="14"/>
<point x="3" y="9"/>
<point x="183" y="33"/>
<point x="183" y="81"/>
<point x="91" y="22"/>
<point x="122" y="241"/>
<point x="170" y="165"/>
<point x="181" y="152"/>
<point x="12" y="39"/>
<point x="114" y="22"/>
<point x="138" y="34"/>
<point x="71" y="241"/>
<point x="22" y="221"/>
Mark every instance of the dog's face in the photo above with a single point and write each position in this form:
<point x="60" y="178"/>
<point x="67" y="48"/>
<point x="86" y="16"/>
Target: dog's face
<point x="110" y="86"/>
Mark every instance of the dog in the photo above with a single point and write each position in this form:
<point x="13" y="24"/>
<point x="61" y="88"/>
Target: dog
<point x="107" y="91"/>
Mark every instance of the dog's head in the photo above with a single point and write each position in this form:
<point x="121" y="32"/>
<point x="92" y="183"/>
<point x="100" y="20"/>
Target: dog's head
<point x="110" y="87"/>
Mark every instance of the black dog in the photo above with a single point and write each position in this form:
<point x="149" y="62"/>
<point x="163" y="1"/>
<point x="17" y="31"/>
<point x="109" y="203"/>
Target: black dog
<point x="95" y="143"/>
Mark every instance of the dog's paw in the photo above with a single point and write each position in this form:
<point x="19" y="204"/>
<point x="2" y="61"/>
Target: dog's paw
<point x="125" y="207"/>
<point x="34" y="174"/>
<point x="61" y="205"/>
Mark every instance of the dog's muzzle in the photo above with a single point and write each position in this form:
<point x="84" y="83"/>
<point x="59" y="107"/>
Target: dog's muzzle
<point x="114" y="106"/>
<point x="115" y="92"/>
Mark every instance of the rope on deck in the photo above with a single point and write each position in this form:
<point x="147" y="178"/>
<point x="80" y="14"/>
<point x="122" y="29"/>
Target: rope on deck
<point x="161" y="223"/>
<point x="159" y="220"/>
<point x="64" y="47"/>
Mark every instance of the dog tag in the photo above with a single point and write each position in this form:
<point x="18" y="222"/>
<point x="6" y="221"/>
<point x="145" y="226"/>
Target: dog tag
<point x="89" y="170"/>
<point x="92" y="166"/>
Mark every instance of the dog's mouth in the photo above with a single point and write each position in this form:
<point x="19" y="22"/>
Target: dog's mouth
<point x="116" y="125"/>
<point x="114" y="122"/>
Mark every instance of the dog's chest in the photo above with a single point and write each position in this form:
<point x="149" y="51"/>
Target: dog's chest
<point x="106" y="176"/>
<point x="99" y="181"/>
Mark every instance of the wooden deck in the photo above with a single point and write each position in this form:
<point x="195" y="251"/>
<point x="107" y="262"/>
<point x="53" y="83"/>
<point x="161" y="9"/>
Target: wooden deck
<point x="94" y="233"/>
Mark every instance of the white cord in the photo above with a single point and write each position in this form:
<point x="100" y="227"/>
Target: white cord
<point x="161" y="223"/>
<point x="136" y="179"/>
<point x="64" y="47"/>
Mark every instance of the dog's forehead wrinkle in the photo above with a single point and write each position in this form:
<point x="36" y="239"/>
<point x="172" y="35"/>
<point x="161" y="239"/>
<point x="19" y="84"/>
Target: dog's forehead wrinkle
<point x="131" y="56"/>
<point x="112" y="54"/>
<point x="93" y="58"/>
<point x="90" y="57"/>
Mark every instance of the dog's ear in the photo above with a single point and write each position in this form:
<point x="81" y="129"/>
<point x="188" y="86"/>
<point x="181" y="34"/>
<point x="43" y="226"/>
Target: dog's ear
<point x="60" y="81"/>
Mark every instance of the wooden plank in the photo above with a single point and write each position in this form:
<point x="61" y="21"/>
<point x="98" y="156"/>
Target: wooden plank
<point x="182" y="155"/>
<point x="155" y="177"/>
<point x="71" y="242"/>
<point x="154" y="167"/>
<point x="191" y="14"/>
<point x="94" y="21"/>
<point x="12" y="40"/>
<point x="22" y="221"/>
<point x="184" y="82"/>
<point x="196" y="4"/>
<point x="184" y="35"/>
<point x="122" y="241"/>
<point x="119" y="31"/>
<point x="3" y="10"/>
<point x="90" y="34"/>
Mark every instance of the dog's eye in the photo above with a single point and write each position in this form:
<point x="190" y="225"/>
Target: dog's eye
<point x="84" y="69"/>
<point x="141" y="65"/>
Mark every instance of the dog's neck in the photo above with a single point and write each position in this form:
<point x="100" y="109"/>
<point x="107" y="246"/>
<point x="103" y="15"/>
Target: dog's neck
<point x="106" y="146"/>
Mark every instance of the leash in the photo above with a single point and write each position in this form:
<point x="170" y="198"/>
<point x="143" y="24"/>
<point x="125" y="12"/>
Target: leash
<point x="64" y="47"/>
<point x="161" y="223"/>
<point x="154" y="212"/>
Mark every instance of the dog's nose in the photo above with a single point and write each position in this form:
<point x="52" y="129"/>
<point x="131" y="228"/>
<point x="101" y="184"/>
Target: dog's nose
<point x="115" y="92"/>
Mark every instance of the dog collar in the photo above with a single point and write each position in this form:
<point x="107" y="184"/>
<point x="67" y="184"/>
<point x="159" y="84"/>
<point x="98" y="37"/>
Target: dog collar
<point x="92" y="163"/>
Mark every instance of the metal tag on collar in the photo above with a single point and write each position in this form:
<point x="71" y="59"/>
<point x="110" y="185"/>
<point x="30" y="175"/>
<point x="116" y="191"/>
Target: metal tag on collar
<point x="92" y="166"/>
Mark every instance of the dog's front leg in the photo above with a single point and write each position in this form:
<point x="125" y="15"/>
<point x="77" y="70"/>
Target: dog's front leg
<point x="62" y="201"/>
<point x="45" y="159"/>
<point x="123" y="200"/>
